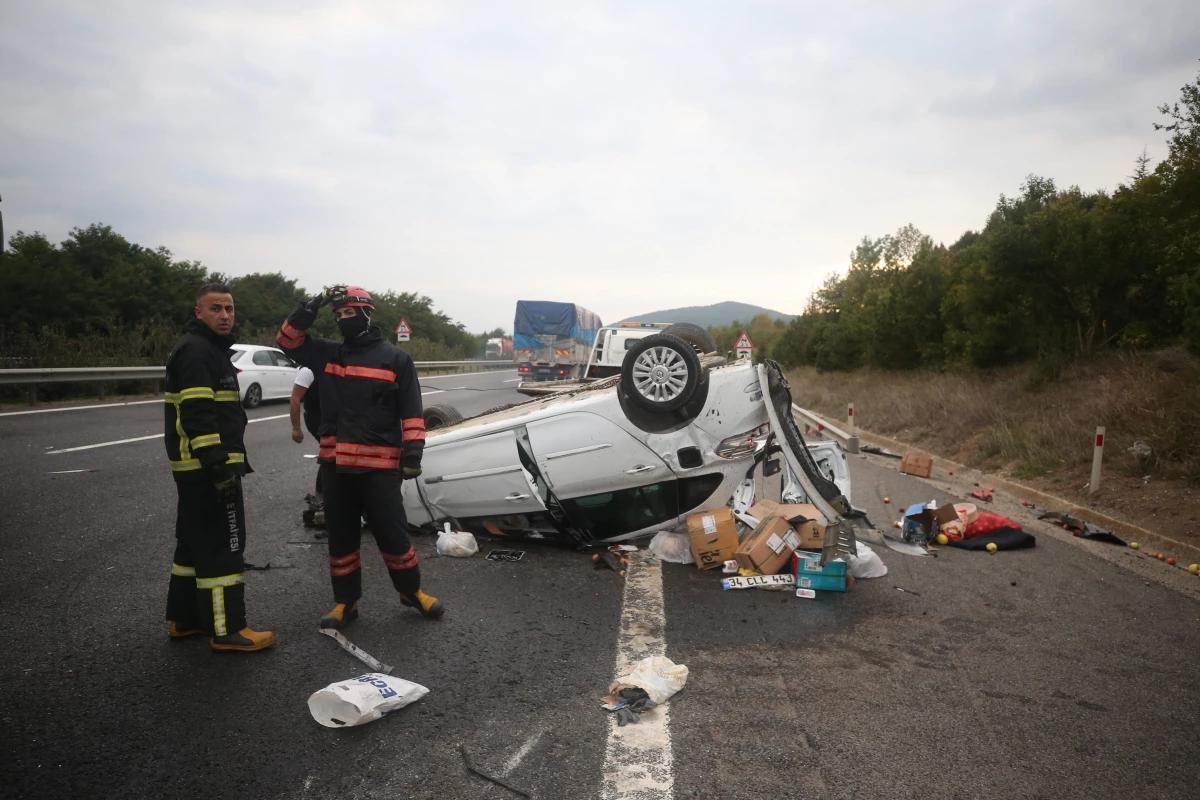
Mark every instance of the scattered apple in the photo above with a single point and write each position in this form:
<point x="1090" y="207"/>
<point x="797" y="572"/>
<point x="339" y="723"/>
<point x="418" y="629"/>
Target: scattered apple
<point x="1160" y="556"/>
<point x="943" y="539"/>
<point x="887" y="499"/>
<point x="1171" y="561"/>
<point x="1194" y="569"/>
<point x="1133" y="545"/>
<point x="991" y="548"/>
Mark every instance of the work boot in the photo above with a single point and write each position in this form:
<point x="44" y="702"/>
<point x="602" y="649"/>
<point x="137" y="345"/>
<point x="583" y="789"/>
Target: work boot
<point x="177" y="632"/>
<point x="427" y="605"/>
<point x="341" y="616"/>
<point x="245" y="639"/>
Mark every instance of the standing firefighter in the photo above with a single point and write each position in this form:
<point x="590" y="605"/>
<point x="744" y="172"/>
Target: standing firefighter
<point x="204" y="427"/>
<point x="372" y="434"/>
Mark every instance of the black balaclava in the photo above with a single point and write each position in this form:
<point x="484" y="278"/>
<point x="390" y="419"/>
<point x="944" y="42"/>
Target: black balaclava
<point x="356" y="326"/>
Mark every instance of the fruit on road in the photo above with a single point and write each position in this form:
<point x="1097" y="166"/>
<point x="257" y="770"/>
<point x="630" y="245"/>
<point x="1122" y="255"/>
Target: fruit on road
<point x="1171" y="561"/>
<point x="1133" y="545"/>
<point x="991" y="548"/>
<point x="1194" y="569"/>
<point x="943" y="539"/>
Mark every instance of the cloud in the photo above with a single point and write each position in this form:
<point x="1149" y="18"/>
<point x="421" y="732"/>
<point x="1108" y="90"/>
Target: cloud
<point x="624" y="156"/>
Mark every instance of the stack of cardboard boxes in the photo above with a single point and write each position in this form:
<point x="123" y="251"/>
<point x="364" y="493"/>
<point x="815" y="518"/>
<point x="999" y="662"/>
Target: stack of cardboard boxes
<point x="789" y="537"/>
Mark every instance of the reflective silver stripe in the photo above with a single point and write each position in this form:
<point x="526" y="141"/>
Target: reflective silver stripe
<point x="207" y="440"/>
<point x="224" y="580"/>
<point x="236" y="458"/>
<point x="228" y="396"/>
<point x="184" y="466"/>
<point x="183" y="572"/>
<point x="196" y="393"/>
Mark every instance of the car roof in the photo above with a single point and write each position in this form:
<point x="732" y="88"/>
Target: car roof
<point x="253" y="347"/>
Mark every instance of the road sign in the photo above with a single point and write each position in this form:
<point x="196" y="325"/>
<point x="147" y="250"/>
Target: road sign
<point x="744" y="346"/>
<point x="403" y="331"/>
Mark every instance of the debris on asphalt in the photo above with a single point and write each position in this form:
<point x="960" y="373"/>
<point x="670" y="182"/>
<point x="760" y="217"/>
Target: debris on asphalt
<point x="628" y="703"/>
<point x="808" y="594"/>
<point x="672" y="547"/>
<point x="356" y="651"/>
<point x="506" y="555"/>
<point x="1082" y="529"/>
<point x="879" y="451"/>
<point x="907" y="591"/>
<point x="462" y="748"/>
<point x="712" y="537"/>
<point x="659" y="676"/>
<point x="458" y="544"/>
<point x="1004" y="538"/>
<point x="363" y="699"/>
<point x="866" y="563"/>
<point x="730" y="567"/>
<point x="983" y="494"/>
<point x="617" y="562"/>
<point x="917" y="466"/>
<point x="69" y="471"/>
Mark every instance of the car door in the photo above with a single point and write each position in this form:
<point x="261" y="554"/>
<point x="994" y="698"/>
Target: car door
<point x="480" y="476"/>
<point x="264" y="373"/>
<point x="287" y="372"/>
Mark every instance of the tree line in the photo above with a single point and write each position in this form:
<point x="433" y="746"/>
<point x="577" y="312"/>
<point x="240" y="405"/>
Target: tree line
<point x="97" y="298"/>
<point x="1054" y="274"/>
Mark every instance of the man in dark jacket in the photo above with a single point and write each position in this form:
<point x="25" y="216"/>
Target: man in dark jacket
<point x="204" y="427"/>
<point x="372" y="435"/>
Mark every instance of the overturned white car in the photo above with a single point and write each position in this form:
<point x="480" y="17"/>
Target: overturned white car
<point x="675" y="433"/>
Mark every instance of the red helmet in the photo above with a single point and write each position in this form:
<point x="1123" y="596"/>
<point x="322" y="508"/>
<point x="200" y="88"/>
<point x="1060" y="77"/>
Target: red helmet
<point x="355" y="296"/>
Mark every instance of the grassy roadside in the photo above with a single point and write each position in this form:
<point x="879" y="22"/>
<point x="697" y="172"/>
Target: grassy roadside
<point x="1038" y="427"/>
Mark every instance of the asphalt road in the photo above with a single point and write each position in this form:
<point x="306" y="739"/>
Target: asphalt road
<point x="1058" y="672"/>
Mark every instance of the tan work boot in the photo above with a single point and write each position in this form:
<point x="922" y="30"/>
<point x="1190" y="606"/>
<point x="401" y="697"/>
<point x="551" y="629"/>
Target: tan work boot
<point x="428" y="605"/>
<point x="175" y="632"/>
<point x="245" y="640"/>
<point x="341" y="616"/>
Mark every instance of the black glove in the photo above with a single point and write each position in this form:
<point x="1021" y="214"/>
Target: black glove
<point x="326" y="296"/>
<point x="410" y="472"/>
<point x="226" y="482"/>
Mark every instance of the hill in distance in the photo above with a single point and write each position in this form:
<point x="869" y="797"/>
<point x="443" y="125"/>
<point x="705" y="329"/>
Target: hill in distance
<point x="716" y="315"/>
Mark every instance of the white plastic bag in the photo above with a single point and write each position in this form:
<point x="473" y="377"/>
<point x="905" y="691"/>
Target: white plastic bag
<point x="659" y="676"/>
<point x="363" y="699"/>
<point x="456" y="543"/>
<point x="673" y="547"/>
<point x="866" y="563"/>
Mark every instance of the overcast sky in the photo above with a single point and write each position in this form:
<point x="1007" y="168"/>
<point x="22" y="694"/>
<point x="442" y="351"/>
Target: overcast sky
<point x="627" y="156"/>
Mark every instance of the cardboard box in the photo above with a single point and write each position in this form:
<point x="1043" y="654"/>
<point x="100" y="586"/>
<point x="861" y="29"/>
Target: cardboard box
<point x="810" y="564"/>
<point x="923" y="525"/>
<point x="912" y="464"/>
<point x="811" y="533"/>
<point x="713" y="536"/>
<point x="769" y="547"/>
<point x="823" y="583"/>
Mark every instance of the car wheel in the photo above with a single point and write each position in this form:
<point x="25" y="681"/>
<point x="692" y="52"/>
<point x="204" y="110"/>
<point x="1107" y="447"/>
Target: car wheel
<point x="253" y="396"/>
<point x="694" y="335"/>
<point x="661" y="372"/>
<point x="440" y="416"/>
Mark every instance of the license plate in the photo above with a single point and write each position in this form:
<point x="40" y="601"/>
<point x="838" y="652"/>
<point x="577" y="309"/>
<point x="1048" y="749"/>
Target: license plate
<point x="506" y="555"/>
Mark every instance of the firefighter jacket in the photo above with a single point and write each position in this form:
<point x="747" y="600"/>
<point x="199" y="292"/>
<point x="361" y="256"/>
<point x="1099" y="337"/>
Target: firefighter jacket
<point x="371" y="416"/>
<point x="204" y="419"/>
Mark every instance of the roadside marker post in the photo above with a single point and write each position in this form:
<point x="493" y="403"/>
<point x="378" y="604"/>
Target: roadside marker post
<point x="850" y="418"/>
<point x="1097" y="458"/>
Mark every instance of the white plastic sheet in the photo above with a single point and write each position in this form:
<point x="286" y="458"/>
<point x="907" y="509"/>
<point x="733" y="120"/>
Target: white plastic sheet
<point x="673" y="547"/>
<point x="363" y="699"/>
<point x="866" y="563"/>
<point x="456" y="543"/>
<point x="659" y="676"/>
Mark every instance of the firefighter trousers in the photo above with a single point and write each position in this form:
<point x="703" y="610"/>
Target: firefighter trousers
<point x="347" y="497"/>
<point x="207" y="589"/>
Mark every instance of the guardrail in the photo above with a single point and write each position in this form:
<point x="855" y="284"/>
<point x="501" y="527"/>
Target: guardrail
<point x="34" y="377"/>
<point x="848" y="441"/>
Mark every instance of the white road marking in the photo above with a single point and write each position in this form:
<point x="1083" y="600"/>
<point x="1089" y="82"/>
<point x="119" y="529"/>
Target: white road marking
<point x="519" y="756"/>
<point x="435" y="391"/>
<point x="78" y="408"/>
<point x="141" y="438"/>
<point x="514" y="380"/>
<point x="638" y="762"/>
<point x="467" y="374"/>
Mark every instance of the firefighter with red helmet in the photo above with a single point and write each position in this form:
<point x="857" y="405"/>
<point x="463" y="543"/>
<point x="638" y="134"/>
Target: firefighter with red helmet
<point x="372" y="434"/>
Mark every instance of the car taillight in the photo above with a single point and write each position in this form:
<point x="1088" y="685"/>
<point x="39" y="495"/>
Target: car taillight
<point x="522" y="369"/>
<point x="743" y="444"/>
<point x="562" y="372"/>
<point x="239" y="372"/>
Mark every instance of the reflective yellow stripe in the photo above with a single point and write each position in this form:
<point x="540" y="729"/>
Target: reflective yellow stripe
<point x="183" y="572"/>
<point x="236" y="458"/>
<point x="197" y="393"/>
<point x="171" y="397"/>
<point x="228" y="396"/>
<point x="224" y="580"/>
<point x="184" y="466"/>
<point x="218" y="594"/>
<point x="207" y="440"/>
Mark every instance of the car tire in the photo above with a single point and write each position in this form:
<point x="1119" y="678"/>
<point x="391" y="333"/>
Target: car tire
<point x="253" y="398"/>
<point x="694" y="335"/>
<point x="660" y="372"/>
<point x="440" y="416"/>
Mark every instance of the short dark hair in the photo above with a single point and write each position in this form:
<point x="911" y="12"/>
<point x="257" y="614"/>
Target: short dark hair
<point x="211" y="288"/>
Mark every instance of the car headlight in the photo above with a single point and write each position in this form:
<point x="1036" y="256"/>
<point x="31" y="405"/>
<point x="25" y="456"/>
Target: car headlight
<point x="743" y="444"/>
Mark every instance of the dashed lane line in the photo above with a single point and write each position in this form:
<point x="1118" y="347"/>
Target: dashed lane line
<point x="638" y="763"/>
<point x="141" y="438"/>
<point x="79" y="408"/>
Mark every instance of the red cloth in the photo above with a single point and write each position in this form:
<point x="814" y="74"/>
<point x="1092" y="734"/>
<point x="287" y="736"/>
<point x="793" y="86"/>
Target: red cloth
<point x="987" y="523"/>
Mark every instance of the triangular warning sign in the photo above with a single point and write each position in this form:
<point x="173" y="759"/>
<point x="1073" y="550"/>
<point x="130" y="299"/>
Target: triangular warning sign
<point x="743" y="342"/>
<point x="402" y="329"/>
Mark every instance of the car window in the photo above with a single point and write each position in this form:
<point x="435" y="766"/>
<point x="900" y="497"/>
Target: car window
<point x="263" y="358"/>
<point x="281" y="360"/>
<point x="695" y="490"/>
<point x="237" y="356"/>
<point x="626" y="510"/>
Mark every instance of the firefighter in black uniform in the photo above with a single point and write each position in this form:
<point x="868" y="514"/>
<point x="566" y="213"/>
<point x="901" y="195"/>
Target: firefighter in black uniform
<point x="372" y="434"/>
<point x="204" y="428"/>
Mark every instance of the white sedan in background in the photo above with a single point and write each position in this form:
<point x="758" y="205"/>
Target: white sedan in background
<point x="264" y="373"/>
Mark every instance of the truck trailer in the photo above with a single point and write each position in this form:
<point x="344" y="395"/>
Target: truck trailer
<point x="551" y="340"/>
